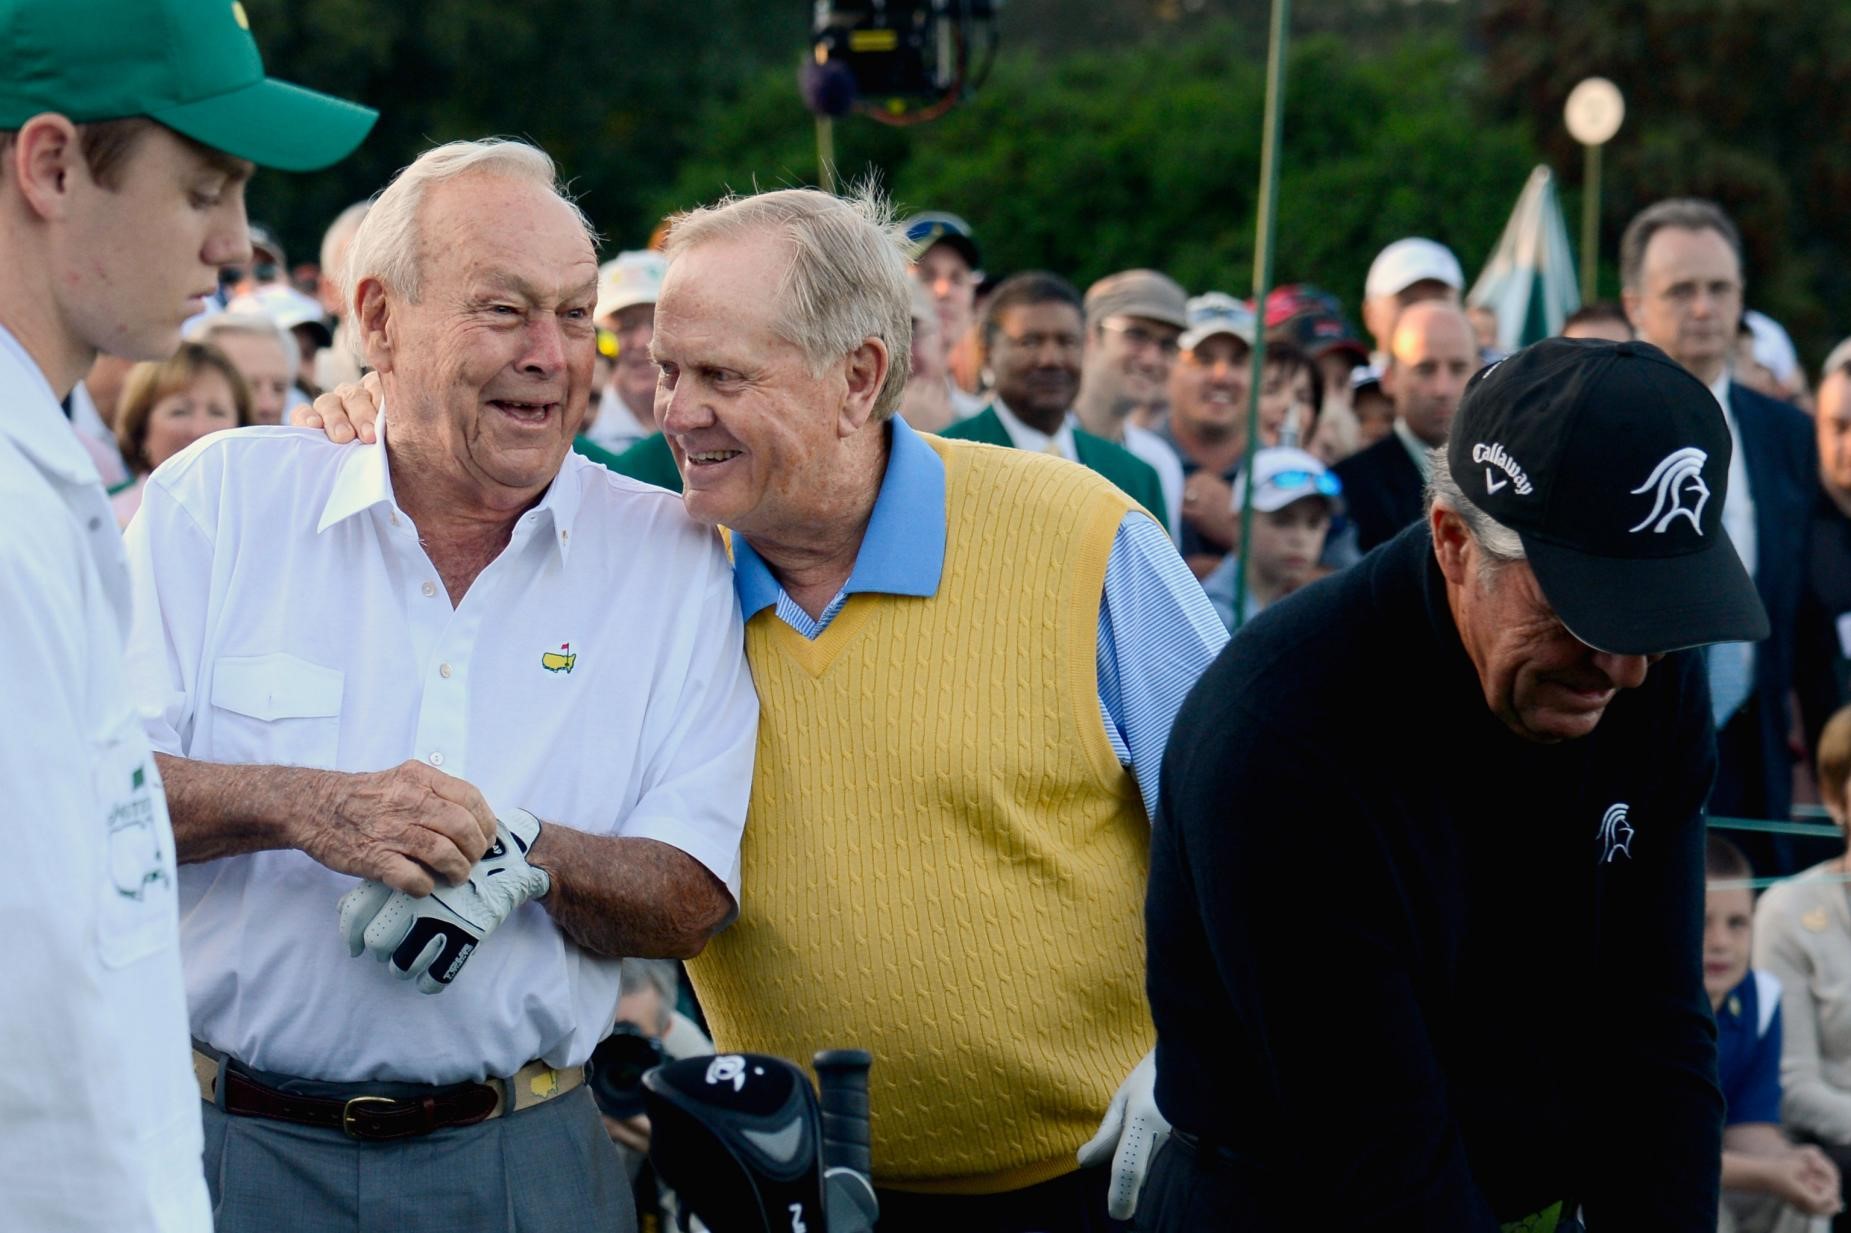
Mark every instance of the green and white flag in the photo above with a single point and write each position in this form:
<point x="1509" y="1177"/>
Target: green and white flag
<point x="1529" y="280"/>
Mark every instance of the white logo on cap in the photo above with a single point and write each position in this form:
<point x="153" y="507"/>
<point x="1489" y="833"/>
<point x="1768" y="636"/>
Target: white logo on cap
<point x="1495" y="455"/>
<point x="1677" y="479"/>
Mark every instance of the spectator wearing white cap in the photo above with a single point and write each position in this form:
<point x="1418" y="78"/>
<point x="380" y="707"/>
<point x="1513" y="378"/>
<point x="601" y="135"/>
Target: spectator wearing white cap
<point x="628" y="285"/>
<point x="1133" y="321"/>
<point x="301" y="319"/>
<point x="262" y="352"/>
<point x="1294" y="499"/>
<point x="1406" y="272"/>
<point x="1766" y="362"/>
<point x="1209" y="388"/>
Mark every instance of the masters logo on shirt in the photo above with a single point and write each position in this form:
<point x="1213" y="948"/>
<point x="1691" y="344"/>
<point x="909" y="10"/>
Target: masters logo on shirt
<point x="135" y="861"/>
<point x="560" y="660"/>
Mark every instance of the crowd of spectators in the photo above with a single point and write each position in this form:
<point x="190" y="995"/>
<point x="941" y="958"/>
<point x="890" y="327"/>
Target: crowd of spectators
<point x="1147" y="383"/>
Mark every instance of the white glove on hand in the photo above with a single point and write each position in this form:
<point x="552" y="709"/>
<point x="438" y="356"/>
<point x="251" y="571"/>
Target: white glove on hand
<point x="1129" y="1136"/>
<point x="432" y="937"/>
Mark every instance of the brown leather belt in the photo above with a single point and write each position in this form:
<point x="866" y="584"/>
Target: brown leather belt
<point x="375" y="1118"/>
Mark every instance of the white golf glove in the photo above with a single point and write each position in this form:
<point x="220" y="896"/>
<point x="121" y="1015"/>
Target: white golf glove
<point x="430" y="938"/>
<point x="1129" y="1137"/>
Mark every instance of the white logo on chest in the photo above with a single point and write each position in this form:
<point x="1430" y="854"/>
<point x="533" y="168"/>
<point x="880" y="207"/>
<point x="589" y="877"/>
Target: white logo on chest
<point x="1677" y="489"/>
<point x="1615" y="834"/>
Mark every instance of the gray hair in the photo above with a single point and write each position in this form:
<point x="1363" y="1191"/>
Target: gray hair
<point x="847" y="280"/>
<point x="338" y="239"/>
<point x="1498" y="544"/>
<point x="658" y="974"/>
<point x="1684" y="213"/>
<point x="256" y="324"/>
<point x="387" y="245"/>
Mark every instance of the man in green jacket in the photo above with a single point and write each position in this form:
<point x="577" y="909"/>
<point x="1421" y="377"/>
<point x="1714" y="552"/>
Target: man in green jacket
<point x="1034" y="334"/>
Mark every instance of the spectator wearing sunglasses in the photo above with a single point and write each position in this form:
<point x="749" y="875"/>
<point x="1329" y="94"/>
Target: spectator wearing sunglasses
<point x="1133" y="321"/>
<point x="1294" y="501"/>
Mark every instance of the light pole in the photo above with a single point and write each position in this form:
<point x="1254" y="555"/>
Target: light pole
<point x="1593" y="114"/>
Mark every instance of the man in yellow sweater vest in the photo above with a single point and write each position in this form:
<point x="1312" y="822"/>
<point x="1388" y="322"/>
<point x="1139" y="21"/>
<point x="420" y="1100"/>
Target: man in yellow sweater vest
<point x="968" y="659"/>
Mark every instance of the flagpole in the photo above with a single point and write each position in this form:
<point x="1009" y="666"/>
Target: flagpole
<point x="826" y="153"/>
<point x="1262" y="277"/>
<point x="1590" y="222"/>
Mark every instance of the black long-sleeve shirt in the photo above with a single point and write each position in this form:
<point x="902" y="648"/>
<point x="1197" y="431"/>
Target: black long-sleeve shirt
<point x="1411" y="971"/>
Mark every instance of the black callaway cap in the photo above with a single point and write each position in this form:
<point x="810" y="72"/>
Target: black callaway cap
<point x="1610" y="462"/>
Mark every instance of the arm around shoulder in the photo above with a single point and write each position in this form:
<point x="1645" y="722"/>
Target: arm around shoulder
<point x="667" y="880"/>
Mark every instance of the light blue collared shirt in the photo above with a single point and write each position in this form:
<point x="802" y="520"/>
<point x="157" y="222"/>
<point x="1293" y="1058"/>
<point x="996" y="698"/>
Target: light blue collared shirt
<point x="1157" y="631"/>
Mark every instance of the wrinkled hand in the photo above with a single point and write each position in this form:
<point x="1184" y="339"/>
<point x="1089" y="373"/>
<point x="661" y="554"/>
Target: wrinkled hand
<point x="1208" y="506"/>
<point x="346" y="411"/>
<point x="429" y="937"/>
<point x="1811" y="1183"/>
<point x="399" y="827"/>
<point x="1129" y="1137"/>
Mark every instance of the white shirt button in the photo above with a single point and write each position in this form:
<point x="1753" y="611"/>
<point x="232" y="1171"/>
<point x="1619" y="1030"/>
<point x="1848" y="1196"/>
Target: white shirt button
<point x="443" y="670"/>
<point x="563" y="535"/>
<point x="437" y="759"/>
<point x="395" y="519"/>
<point x="429" y="589"/>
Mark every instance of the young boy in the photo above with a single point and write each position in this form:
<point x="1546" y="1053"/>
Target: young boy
<point x="1293" y="502"/>
<point x="1764" y="1177"/>
<point x="127" y="131"/>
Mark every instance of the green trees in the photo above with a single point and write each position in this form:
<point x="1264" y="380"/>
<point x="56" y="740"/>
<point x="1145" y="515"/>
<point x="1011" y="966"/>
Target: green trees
<point x="1113" y="135"/>
<point x="1741" y="102"/>
<point x="1148" y="155"/>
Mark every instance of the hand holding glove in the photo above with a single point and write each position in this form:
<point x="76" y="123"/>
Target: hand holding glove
<point x="1129" y="1137"/>
<point x="431" y="937"/>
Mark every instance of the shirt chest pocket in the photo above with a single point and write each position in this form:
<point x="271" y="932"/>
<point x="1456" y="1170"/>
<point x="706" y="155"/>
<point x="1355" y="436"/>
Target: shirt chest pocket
<point x="276" y="709"/>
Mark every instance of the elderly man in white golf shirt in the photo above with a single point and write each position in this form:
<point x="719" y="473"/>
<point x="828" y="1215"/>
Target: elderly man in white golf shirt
<point x="488" y="697"/>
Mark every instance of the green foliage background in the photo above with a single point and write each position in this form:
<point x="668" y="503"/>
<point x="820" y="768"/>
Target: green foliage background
<point x="1124" y="134"/>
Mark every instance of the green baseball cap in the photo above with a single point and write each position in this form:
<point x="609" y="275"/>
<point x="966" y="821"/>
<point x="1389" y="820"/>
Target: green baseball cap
<point x="191" y="65"/>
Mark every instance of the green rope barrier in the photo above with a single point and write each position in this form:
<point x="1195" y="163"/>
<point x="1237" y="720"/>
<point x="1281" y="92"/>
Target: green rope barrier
<point x="1826" y="830"/>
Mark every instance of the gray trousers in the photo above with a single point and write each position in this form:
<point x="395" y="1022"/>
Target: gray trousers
<point x="548" y="1169"/>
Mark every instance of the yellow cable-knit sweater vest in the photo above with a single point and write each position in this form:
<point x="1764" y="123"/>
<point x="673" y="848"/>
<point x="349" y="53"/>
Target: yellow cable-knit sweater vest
<point x="944" y="863"/>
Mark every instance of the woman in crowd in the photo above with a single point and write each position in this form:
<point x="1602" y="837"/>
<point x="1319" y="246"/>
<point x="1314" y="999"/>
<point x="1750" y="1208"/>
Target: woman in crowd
<point x="169" y="404"/>
<point x="1803" y="937"/>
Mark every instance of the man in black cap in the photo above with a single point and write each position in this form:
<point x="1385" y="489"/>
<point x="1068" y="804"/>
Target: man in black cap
<point x="1446" y="976"/>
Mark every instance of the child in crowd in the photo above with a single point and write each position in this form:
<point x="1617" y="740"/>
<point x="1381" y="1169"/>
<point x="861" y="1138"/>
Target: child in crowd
<point x="1769" y="1184"/>
<point x="1293" y="503"/>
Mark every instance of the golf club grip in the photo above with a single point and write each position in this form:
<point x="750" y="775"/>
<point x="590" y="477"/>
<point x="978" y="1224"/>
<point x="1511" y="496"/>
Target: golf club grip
<point x="842" y="1076"/>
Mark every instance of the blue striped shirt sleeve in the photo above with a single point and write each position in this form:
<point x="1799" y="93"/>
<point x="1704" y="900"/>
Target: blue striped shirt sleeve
<point x="1157" y="633"/>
